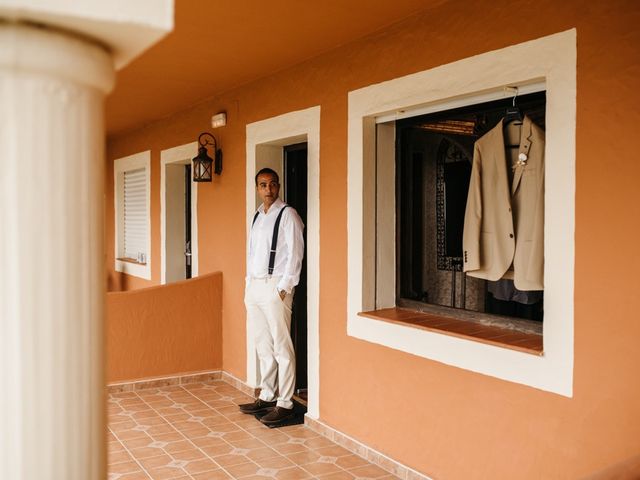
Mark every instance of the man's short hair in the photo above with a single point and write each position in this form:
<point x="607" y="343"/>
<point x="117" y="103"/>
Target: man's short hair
<point x="267" y="171"/>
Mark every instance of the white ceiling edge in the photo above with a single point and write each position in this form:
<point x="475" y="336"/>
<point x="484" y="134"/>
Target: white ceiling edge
<point x="126" y="28"/>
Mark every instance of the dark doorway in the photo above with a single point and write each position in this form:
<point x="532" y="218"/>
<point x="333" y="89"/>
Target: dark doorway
<point x="295" y="187"/>
<point x="187" y="220"/>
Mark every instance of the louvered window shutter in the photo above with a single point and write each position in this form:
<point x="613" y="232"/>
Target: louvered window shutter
<point x="135" y="214"/>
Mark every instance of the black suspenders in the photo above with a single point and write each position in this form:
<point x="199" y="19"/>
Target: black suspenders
<point x="274" y="238"/>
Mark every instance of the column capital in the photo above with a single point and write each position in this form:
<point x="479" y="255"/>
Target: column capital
<point x="124" y="28"/>
<point x="44" y="52"/>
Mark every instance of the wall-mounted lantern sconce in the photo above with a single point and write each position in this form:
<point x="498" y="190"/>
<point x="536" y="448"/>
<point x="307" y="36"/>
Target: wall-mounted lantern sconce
<point x="202" y="163"/>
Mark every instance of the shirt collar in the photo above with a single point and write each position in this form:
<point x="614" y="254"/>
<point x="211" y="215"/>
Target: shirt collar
<point x="276" y="206"/>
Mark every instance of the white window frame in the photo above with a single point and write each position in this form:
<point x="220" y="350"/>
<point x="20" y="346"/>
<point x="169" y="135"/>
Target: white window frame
<point x="120" y="166"/>
<point x="551" y="60"/>
<point x="182" y="154"/>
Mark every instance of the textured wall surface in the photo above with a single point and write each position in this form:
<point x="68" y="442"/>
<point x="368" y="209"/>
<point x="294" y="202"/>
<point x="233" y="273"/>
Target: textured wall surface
<point x="444" y="421"/>
<point x="165" y="330"/>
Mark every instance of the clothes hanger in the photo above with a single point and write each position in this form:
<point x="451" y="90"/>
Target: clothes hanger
<point x="513" y="115"/>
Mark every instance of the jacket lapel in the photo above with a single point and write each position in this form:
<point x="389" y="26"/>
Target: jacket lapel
<point x="525" y="145"/>
<point x="501" y="157"/>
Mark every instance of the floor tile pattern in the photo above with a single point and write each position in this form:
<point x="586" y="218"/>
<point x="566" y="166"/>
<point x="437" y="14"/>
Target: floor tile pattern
<point x="195" y="432"/>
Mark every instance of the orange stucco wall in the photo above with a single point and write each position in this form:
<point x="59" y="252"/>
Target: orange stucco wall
<point x="444" y="421"/>
<point x="165" y="330"/>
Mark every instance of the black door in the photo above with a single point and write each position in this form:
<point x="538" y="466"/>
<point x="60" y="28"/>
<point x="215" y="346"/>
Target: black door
<point x="187" y="220"/>
<point x="295" y="182"/>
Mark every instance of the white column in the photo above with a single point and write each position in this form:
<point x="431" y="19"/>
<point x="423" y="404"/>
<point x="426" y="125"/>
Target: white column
<point x="52" y="88"/>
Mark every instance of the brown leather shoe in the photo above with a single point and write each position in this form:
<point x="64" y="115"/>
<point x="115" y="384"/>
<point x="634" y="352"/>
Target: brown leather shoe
<point x="277" y="415"/>
<point x="259" y="406"/>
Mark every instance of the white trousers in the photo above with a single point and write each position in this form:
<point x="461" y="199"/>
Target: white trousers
<point x="270" y="324"/>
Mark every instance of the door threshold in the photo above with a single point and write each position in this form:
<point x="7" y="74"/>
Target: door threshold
<point x="301" y="397"/>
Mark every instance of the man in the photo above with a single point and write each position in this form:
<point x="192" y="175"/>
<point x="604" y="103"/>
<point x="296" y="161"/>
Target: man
<point x="274" y="260"/>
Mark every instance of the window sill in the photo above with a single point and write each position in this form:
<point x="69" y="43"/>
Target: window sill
<point x="530" y="343"/>
<point x="131" y="260"/>
<point x="131" y="267"/>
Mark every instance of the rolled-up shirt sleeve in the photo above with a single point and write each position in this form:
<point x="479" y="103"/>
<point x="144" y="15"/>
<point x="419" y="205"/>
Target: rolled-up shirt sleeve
<point x="292" y="228"/>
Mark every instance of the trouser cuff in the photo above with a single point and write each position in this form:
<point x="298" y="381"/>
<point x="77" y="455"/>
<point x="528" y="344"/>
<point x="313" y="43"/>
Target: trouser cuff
<point x="285" y="404"/>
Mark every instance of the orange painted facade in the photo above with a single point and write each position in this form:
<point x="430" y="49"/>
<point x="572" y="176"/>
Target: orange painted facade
<point x="446" y="422"/>
<point x="162" y="331"/>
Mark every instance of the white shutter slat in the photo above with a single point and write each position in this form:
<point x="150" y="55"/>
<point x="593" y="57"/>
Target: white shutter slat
<point x="135" y="213"/>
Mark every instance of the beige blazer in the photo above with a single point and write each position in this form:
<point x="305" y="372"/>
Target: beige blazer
<point x="504" y="223"/>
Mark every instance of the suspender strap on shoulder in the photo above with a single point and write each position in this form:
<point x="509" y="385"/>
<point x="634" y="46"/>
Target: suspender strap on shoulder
<point x="274" y="241"/>
<point x="255" y="217"/>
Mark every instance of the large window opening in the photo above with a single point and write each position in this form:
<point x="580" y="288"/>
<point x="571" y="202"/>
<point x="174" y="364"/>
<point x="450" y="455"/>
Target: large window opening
<point x="542" y="360"/>
<point x="433" y="166"/>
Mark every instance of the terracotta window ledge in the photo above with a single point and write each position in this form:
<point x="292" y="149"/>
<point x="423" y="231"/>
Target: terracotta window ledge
<point x="492" y="335"/>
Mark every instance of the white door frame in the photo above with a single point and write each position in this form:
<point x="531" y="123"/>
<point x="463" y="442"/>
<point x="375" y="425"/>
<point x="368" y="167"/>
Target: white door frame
<point x="287" y="129"/>
<point x="181" y="154"/>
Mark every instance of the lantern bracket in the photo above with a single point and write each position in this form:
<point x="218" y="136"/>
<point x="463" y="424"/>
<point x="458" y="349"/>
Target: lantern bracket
<point x="202" y="163"/>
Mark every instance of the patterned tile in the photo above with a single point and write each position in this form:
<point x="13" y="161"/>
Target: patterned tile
<point x="242" y="469"/>
<point x="267" y="472"/>
<point x="135" y="476"/>
<point x="321" y="468"/>
<point x="333" y="451"/>
<point x="351" y="461"/>
<point x="303" y="458"/>
<point x="124" y="467"/>
<point x="293" y="473"/>
<point x="194" y="431"/>
<point x="199" y="466"/>
<point x="189" y="455"/>
<point x="212" y="475"/>
<point x="368" y="471"/>
<point x="277" y="462"/>
<point x="337" y="476"/>
<point x="257" y="454"/>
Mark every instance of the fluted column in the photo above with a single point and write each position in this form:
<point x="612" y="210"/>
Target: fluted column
<point x="52" y="88"/>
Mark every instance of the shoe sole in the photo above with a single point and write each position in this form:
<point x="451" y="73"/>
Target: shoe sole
<point x="273" y="422"/>
<point x="256" y="412"/>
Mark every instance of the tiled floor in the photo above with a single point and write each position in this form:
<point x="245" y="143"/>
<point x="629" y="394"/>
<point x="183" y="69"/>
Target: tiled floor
<point x="196" y="432"/>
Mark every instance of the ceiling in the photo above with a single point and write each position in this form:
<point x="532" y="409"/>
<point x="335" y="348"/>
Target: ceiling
<point x="219" y="44"/>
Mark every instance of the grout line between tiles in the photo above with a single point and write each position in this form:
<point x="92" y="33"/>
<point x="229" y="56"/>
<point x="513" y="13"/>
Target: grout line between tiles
<point x="220" y="413"/>
<point x="165" y="452"/>
<point x="180" y="433"/>
<point x="239" y="426"/>
<point x="278" y="454"/>
<point x="135" y="459"/>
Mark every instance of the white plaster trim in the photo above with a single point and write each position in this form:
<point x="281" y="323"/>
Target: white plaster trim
<point x="280" y="131"/>
<point x="121" y="165"/>
<point x="181" y="154"/>
<point x="551" y="59"/>
<point x="523" y="89"/>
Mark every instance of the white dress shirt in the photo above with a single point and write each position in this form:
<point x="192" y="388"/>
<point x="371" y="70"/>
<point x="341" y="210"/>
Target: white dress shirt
<point x="289" y="249"/>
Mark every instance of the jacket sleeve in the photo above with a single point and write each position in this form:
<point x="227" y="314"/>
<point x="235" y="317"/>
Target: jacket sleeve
<point x="471" y="235"/>
<point x="292" y="229"/>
